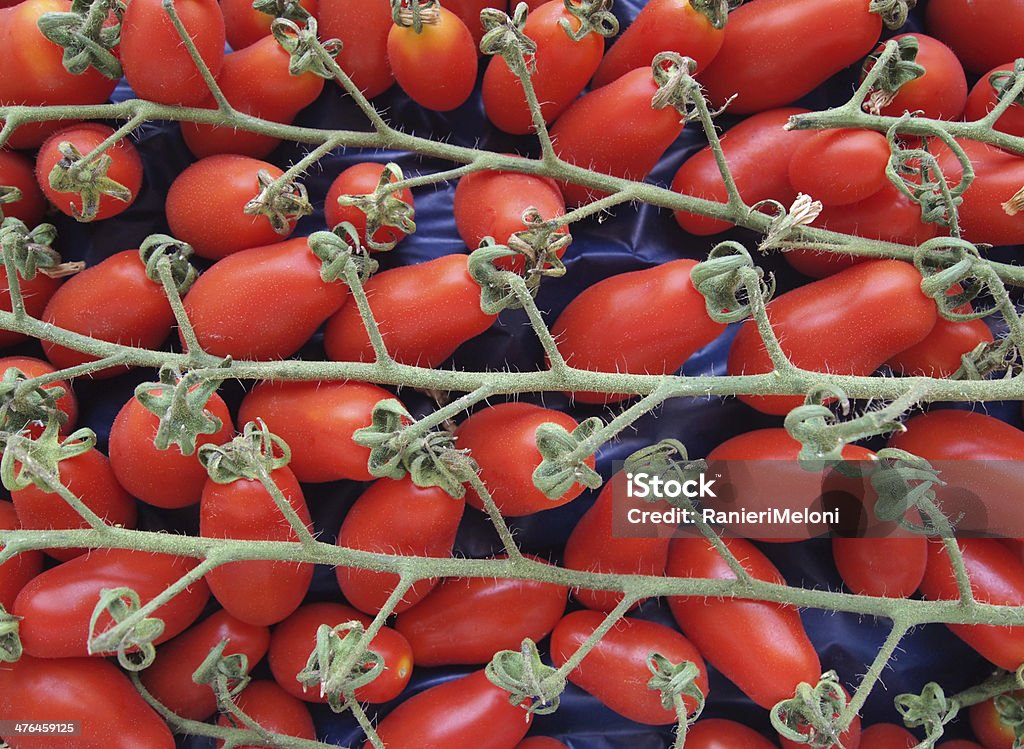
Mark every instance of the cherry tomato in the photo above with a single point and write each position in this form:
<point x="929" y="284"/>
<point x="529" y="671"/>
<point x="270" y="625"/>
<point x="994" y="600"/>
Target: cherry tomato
<point x="992" y="210"/>
<point x="223" y="310"/>
<point x="407" y="316"/>
<point x="465" y="621"/>
<point x="162" y="478"/>
<point x="988" y="727"/>
<point x="148" y="35"/>
<point x="469" y="11"/>
<point x="941" y="92"/>
<point x="205" y="206"/>
<point x="776" y="655"/>
<point x="840" y="324"/>
<point x="15" y="573"/>
<point x="468" y="711"/>
<point x="317" y="420"/>
<point x="503" y="441"/>
<point x="56" y="605"/>
<point x="615" y="130"/>
<point x="541" y="742"/>
<point x="169" y="679"/>
<point x="257" y="592"/>
<point x="563" y="67"/>
<point x="839" y="167"/>
<point x="88" y="477"/>
<point x="982" y="100"/>
<point x="273" y="709"/>
<point x="661" y="25"/>
<point x="33" y="368"/>
<point x="89" y="690"/>
<point x="362" y="26"/>
<point x="114" y="301"/>
<point x="16" y="170"/>
<point x="849" y="739"/>
<point x="758" y="151"/>
<point x="887" y="736"/>
<point x="245" y="26"/>
<point x="629" y="323"/>
<point x="396" y="517"/>
<point x="778" y="50"/>
<point x="361" y="179"/>
<point x="294" y="640"/>
<point x="436" y="67"/>
<point x="716" y="733"/>
<point x="983" y="33"/>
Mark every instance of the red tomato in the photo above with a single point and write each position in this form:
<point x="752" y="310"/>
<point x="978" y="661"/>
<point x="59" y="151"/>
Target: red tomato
<point x="989" y="728"/>
<point x="294" y="640"/>
<point x="503" y="441"/>
<point x="244" y="25"/>
<point x="887" y="736"/>
<point x="32" y="368"/>
<point x="257" y="592"/>
<point x="317" y="420"/>
<point x="715" y="733"/>
<point x="982" y="100"/>
<point x="114" y="301"/>
<point x="778" y="50"/>
<point x="396" y="517"/>
<point x="629" y="323"/>
<point x="469" y="11"/>
<point x="593" y="547"/>
<point x="169" y="679"/>
<point x="205" y="206"/>
<point x="407" y="317"/>
<point x="983" y="33"/>
<point x="443" y="45"/>
<point x="616" y="671"/>
<point x="36" y="294"/>
<point x="16" y="170"/>
<point x="274" y="710"/>
<point x="56" y="606"/>
<point x="91" y="691"/>
<point x="362" y="26"/>
<point x="941" y="92"/>
<point x="997" y="576"/>
<point x="839" y="167"/>
<point x="34" y="72"/>
<point x="615" y="130"/>
<point x="163" y="478"/>
<point x="776" y="655"/>
<point x="541" y="742"/>
<point x="836" y="325"/>
<point x="940" y="354"/>
<point x="256" y="81"/>
<point x="88" y="477"/>
<point x="992" y="211"/>
<point x="661" y="25"/>
<point x="468" y="711"/>
<point x="758" y="151"/>
<point x="148" y="34"/>
<point x="281" y="276"/>
<point x="465" y="621"/>
<point x="361" y="179"/>
<point x="15" y="573"/>
<point x="849" y="739"/>
<point x="563" y="68"/>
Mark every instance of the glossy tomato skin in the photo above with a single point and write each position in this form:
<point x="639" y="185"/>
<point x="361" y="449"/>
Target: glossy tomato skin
<point x="15" y="573"/>
<point x="839" y="167"/>
<point x="468" y="711"/>
<point x="836" y="325"/>
<point x="563" y="68"/>
<point x="616" y="671"/>
<point x="114" y="301"/>
<point x="887" y="736"/>
<point x="89" y="690"/>
<point x="396" y="517"/>
<point x="362" y="26"/>
<point x="162" y="478"/>
<point x="465" y="621"/>
<point x="503" y="441"/>
<point x="257" y="592"/>
<point x="361" y="179"/>
<point x="615" y="130"/>
<point x="17" y="170"/>
<point x="148" y="34"/>
<point x="36" y="295"/>
<point x="294" y="639"/>
<point x="997" y="180"/>
<point x="983" y="33"/>
<point x="716" y="733"/>
<point x="469" y="11"/>
<point x="661" y="25"/>
<point x="32" y="368"/>
<point x="758" y="151"/>
<point x="88" y="476"/>
<point x="779" y="50"/>
<point x="777" y="655"/>
<point x="56" y="605"/>
<point x="417" y="58"/>
<point x="982" y="100"/>
<point x="245" y="26"/>
<point x="169" y="679"/>
<point x="630" y="323"/>
<point x="317" y="420"/>
<point x="940" y="354"/>
<point x="988" y="727"/>
<point x="248" y="290"/>
<point x="275" y="710"/>
<point x="424" y="312"/>
<point x="941" y="92"/>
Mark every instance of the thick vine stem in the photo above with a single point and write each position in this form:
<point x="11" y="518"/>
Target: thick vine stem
<point x="223" y="106"/>
<point x="307" y="52"/>
<point x="900" y="68"/>
<point x="874" y="673"/>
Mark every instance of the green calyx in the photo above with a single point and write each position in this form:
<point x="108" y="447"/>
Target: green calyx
<point x="10" y="642"/>
<point x="930" y="710"/>
<point x="23" y="403"/>
<point x="133" y="643"/>
<point x="716" y="11"/>
<point x="676" y="86"/>
<point x="36" y="462"/>
<point x="949" y="270"/>
<point x="384" y="208"/>
<point x="727" y="279"/>
<point x="1002" y="81"/>
<point x="300" y="41"/>
<point x="227" y="675"/>
<point x="496" y="290"/>
<point x="179" y="402"/>
<point x="342" y="254"/>
<point x="503" y="35"/>
<point x="415" y="13"/>
<point x="255" y="453"/>
<point x="340" y="663"/>
<point x="893" y="12"/>
<point x="674" y="681"/>
<point x="283" y="203"/>
<point x="289" y="9"/>
<point x="158" y="249"/>
<point x="986" y="358"/>
<point x="1010" y="710"/>
<point x="541" y="245"/>
<point x="811" y="717"/>
<point x="88" y="40"/>
<point x="531" y="683"/>
<point x="898" y="69"/>
<point x="8" y="194"/>
<point x="88" y="178"/>
<point x="904" y="481"/>
<point x="564" y="456"/>
<point x="28" y="251"/>
<point x="593" y="17"/>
